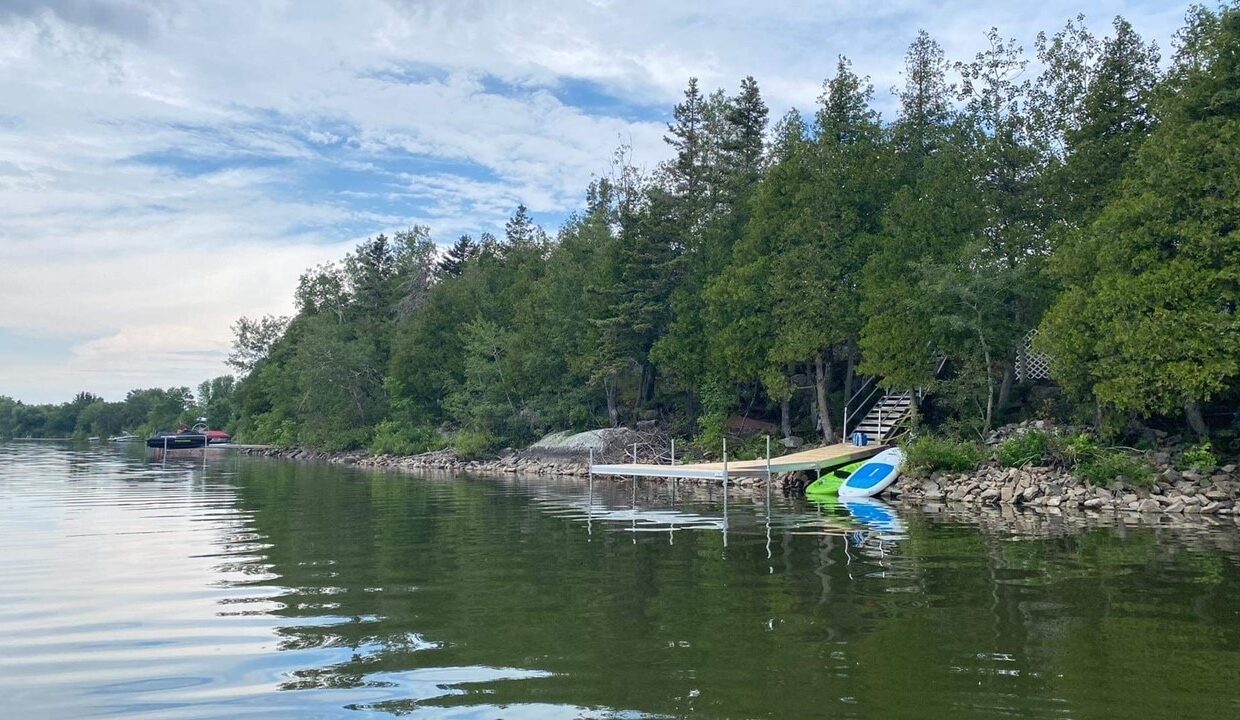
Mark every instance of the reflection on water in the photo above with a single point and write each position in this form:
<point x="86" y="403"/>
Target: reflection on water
<point x="261" y="588"/>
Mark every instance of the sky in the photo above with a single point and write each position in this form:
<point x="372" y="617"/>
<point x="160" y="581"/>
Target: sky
<point x="167" y="167"/>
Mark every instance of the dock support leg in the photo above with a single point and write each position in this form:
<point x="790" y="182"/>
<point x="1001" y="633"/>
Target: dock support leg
<point x="768" y="462"/>
<point x="725" y="492"/>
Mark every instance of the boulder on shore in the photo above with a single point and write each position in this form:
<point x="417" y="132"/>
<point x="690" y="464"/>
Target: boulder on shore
<point x="569" y="443"/>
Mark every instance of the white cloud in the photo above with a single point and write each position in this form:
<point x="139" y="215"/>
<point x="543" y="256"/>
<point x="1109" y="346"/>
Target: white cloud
<point x="166" y="165"/>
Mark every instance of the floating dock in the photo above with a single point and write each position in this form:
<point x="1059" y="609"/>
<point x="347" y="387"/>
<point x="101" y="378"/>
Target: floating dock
<point x="818" y="459"/>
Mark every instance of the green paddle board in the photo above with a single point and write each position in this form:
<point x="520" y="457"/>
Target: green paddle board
<point x="829" y="483"/>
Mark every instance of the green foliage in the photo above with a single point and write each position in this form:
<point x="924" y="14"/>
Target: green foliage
<point x="717" y="402"/>
<point x="1075" y="450"/>
<point x="1147" y="322"/>
<point x="1198" y="457"/>
<point x="473" y="445"/>
<point x="396" y="438"/>
<point x="928" y="453"/>
<point x="1028" y="448"/>
<point x="270" y="429"/>
<point x="142" y="412"/>
<point x="752" y="447"/>
<point x="1108" y="466"/>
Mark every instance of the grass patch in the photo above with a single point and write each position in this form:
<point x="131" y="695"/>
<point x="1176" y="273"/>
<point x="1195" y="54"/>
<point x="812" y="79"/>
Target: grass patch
<point x="1029" y="448"/>
<point x="927" y="454"/>
<point x="1199" y="457"/>
<point x="1074" y="450"/>
<point x="1108" y="466"/>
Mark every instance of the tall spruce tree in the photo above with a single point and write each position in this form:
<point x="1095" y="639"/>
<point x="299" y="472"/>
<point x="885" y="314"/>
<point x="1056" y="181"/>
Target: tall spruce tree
<point x="455" y="257"/>
<point x="740" y="308"/>
<point x="925" y="104"/>
<point x="1093" y="102"/>
<point x="732" y="149"/>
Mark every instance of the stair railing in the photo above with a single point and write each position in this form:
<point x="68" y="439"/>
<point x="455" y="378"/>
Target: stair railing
<point x="940" y="362"/>
<point x="851" y="408"/>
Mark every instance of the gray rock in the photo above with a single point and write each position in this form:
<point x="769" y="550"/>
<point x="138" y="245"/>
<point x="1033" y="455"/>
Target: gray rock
<point x="1148" y="505"/>
<point x="1175" y="507"/>
<point x="571" y="442"/>
<point x="1094" y="503"/>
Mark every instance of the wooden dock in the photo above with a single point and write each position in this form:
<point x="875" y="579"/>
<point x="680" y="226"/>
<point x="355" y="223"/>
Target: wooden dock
<point x="822" y="458"/>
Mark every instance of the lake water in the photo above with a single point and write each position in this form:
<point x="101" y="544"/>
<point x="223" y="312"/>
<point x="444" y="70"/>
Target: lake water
<point x="258" y="588"/>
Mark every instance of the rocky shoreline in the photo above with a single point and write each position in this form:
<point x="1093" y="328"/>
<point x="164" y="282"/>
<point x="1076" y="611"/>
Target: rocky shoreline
<point x="445" y="460"/>
<point x="1173" y="492"/>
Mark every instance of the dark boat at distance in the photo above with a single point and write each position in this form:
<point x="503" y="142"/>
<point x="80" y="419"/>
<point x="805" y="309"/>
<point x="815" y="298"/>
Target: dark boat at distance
<point x="198" y="436"/>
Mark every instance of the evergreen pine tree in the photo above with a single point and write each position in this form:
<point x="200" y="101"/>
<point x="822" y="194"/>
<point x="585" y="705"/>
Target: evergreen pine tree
<point x="454" y="258"/>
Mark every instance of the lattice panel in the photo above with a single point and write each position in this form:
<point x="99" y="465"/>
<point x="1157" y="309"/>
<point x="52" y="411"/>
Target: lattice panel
<point x="1032" y="365"/>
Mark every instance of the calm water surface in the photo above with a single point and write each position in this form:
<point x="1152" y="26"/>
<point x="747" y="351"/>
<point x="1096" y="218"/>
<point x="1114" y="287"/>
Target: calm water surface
<point x="255" y="588"/>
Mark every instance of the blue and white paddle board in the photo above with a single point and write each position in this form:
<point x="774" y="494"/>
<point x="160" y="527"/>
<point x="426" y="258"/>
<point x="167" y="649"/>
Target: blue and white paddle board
<point x="874" y="476"/>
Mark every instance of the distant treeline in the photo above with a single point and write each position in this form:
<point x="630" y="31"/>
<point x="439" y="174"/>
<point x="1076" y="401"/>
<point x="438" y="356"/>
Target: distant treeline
<point x="141" y="412"/>
<point x="764" y="270"/>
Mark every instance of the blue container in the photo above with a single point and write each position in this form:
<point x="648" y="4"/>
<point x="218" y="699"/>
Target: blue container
<point x="860" y="439"/>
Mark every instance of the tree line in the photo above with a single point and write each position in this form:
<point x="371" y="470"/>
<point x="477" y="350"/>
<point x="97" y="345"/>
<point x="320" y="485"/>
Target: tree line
<point x="767" y="268"/>
<point x="142" y="412"/>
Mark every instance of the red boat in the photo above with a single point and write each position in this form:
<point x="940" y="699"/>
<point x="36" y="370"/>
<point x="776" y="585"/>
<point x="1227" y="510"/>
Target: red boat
<point x="218" y="437"/>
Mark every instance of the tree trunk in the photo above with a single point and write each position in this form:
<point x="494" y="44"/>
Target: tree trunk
<point x="822" y="383"/>
<point x="990" y="388"/>
<point x="1005" y="389"/>
<point x="849" y="376"/>
<point x="613" y="412"/>
<point x="785" y="416"/>
<point x="647" y="388"/>
<point x="1192" y="413"/>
